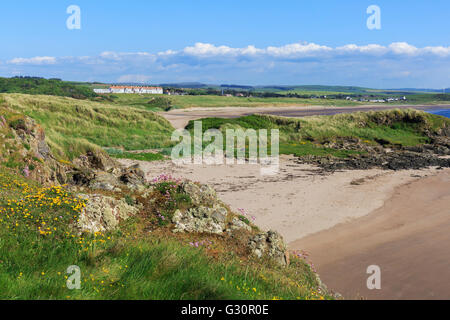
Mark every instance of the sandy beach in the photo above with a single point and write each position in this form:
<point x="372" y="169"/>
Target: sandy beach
<point x="345" y="220"/>
<point x="408" y="238"/>
<point x="298" y="201"/>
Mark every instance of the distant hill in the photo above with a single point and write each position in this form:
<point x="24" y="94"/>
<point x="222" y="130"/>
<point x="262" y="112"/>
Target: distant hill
<point x="54" y="87"/>
<point x="273" y="88"/>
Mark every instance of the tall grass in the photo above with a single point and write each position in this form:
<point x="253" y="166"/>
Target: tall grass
<point x="74" y="126"/>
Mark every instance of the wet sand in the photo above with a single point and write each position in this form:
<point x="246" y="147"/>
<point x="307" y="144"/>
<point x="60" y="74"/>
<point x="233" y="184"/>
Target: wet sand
<point x="408" y="238"/>
<point x="180" y="118"/>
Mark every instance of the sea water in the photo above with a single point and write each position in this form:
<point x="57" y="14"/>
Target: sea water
<point x="441" y="112"/>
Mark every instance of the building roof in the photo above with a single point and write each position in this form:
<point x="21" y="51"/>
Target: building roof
<point x="134" y="87"/>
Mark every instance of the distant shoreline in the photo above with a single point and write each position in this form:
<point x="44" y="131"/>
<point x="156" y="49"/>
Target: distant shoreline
<point x="179" y="118"/>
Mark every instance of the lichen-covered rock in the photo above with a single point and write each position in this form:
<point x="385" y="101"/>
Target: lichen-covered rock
<point x="238" y="224"/>
<point x="103" y="213"/>
<point x="114" y="179"/>
<point x="105" y="181"/>
<point x="25" y="142"/>
<point x="201" y="220"/>
<point x="269" y="244"/>
<point x="200" y="194"/>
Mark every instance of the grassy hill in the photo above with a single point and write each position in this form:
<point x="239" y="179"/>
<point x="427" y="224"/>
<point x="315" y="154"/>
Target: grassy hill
<point x="74" y="126"/>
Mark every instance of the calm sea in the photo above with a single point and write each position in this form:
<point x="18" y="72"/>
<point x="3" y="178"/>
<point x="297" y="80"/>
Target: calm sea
<point x="441" y="112"/>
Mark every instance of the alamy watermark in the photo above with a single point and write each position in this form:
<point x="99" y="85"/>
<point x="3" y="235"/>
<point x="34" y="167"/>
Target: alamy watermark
<point x="74" y="20"/>
<point x="190" y="149"/>
<point x="74" y="280"/>
<point x="374" y="20"/>
<point x="374" y="281"/>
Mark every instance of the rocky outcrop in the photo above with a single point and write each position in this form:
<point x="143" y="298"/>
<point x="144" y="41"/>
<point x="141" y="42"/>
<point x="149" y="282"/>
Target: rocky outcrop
<point x="389" y="160"/>
<point x="237" y="224"/>
<point x="269" y="244"/>
<point x="201" y="220"/>
<point x="98" y="172"/>
<point x="208" y="214"/>
<point x="25" y="144"/>
<point x="96" y="160"/>
<point x="133" y="177"/>
<point x="200" y="194"/>
<point x="103" y="213"/>
<point x="385" y="155"/>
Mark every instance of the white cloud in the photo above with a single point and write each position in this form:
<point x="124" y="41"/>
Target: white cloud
<point x="303" y="49"/>
<point x="374" y="49"/>
<point x="206" y="49"/>
<point x="439" y="51"/>
<point x="297" y="50"/>
<point x="352" y="64"/>
<point x="403" y="48"/>
<point x="35" y="61"/>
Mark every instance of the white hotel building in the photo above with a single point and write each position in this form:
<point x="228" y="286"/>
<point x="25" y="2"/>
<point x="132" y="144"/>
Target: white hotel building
<point x="130" y="89"/>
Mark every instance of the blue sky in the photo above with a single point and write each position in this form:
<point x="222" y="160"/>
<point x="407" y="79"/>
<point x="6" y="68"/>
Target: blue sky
<point x="247" y="42"/>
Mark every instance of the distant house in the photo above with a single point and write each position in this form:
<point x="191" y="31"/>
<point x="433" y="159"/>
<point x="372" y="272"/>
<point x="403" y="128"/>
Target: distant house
<point x="102" y="91"/>
<point x="131" y="90"/>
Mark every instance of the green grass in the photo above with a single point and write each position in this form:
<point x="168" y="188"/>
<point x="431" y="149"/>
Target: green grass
<point x="37" y="245"/>
<point x="147" y="101"/>
<point x="306" y="136"/>
<point x="145" y="156"/>
<point x="74" y="126"/>
<point x="143" y="101"/>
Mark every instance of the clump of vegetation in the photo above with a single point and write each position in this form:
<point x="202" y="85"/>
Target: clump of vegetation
<point x="161" y="103"/>
<point x="168" y="197"/>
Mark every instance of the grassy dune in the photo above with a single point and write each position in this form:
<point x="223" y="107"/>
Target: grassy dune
<point x="306" y="136"/>
<point x="74" y="126"/>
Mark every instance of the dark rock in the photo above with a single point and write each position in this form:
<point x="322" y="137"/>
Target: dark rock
<point x="133" y="177"/>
